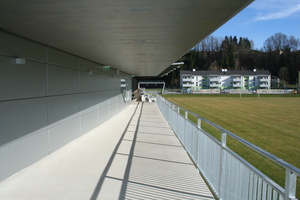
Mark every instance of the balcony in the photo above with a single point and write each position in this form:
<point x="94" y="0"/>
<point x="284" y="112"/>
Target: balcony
<point x="187" y="79"/>
<point x="214" y="79"/>
<point x="237" y="79"/>
<point x="188" y="84"/>
<point x="215" y="85"/>
<point x="264" y="80"/>
<point x="264" y="85"/>
<point x="237" y="85"/>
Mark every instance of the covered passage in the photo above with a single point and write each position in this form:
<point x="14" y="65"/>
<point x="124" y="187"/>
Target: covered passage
<point x="141" y="158"/>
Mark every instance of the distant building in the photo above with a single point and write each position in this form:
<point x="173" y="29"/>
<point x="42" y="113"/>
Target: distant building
<point x="275" y="82"/>
<point x="205" y="79"/>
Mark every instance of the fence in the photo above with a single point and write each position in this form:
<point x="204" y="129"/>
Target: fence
<point x="272" y="91"/>
<point x="204" y="91"/>
<point x="229" y="175"/>
<point x="240" y="91"/>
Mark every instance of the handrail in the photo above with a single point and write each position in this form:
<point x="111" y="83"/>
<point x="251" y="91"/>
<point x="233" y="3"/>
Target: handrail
<point x="291" y="171"/>
<point x="123" y="96"/>
<point x="252" y="146"/>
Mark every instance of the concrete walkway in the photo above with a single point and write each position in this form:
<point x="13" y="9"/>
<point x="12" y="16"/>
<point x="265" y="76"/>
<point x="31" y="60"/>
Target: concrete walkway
<point x="134" y="155"/>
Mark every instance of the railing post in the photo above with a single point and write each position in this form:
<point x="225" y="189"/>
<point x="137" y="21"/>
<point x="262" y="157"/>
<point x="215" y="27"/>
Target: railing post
<point x="199" y="123"/>
<point x="222" y="166"/>
<point x="223" y="139"/>
<point x="290" y="185"/>
<point x="186" y="116"/>
<point x="225" y="165"/>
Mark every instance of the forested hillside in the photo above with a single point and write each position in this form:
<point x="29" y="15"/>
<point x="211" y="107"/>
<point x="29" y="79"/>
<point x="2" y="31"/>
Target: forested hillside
<point x="280" y="55"/>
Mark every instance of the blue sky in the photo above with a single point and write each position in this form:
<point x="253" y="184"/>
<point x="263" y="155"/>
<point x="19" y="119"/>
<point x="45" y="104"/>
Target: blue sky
<point x="262" y="19"/>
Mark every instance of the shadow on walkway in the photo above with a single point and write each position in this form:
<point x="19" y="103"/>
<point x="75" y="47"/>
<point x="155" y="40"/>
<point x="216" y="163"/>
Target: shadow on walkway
<point x="134" y="155"/>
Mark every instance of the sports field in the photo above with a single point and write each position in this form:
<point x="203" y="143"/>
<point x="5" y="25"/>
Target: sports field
<point x="271" y="122"/>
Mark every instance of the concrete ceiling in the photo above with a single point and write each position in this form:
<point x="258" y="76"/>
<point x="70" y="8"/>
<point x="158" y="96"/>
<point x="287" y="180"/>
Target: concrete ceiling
<point x="140" y="37"/>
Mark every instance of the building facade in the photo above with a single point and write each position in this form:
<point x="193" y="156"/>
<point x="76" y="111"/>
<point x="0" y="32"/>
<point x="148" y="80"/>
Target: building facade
<point x="205" y="79"/>
<point x="48" y="98"/>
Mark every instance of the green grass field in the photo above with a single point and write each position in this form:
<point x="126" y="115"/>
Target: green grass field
<point x="271" y="122"/>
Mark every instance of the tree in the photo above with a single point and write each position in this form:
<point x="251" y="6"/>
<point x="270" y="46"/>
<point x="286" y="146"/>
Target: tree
<point x="210" y="43"/>
<point x="276" y="42"/>
<point x="294" y="43"/>
<point x="281" y="42"/>
<point x="281" y="55"/>
<point x="190" y="59"/>
<point x="283" y="74"/>
<point x="229" y="49"/>
<point x="245" y="44"/>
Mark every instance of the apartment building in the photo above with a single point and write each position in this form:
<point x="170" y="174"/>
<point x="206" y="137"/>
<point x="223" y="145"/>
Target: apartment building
<point x="225" y="79"/>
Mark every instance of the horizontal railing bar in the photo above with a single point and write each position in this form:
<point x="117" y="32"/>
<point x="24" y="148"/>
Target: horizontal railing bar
<point x="277" y="187"/>
<point x="272" y="157"/>
<point x="243" y="161"/>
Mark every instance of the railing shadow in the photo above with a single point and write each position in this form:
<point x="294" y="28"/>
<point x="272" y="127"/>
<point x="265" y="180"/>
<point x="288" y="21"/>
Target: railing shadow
<point x="153" y="168"/>
<point x="109" y="163"/>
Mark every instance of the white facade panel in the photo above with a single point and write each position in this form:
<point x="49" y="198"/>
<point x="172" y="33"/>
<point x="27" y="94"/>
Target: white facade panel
<point x="89" y="110"/>
<point x="62" y="80"/>
<point x="62" y="59"/>
<point x="19" y="47"/>
<point x="48" y="101"/>
<point x="89" y="101"/>
<point x="97" y="82"/>
<point x="104" y="112"/>
<point x="23" y="152"/>
<point x="21" y="118"/>
<point x="86" y="65"/>
<point x="113" y="106"/>
<point x="63" y="108"/>
<point x="64" y="120"/>
<point x="21" y="81"/>
<point x="89" y="120"/>
<point x="63" y="132"/>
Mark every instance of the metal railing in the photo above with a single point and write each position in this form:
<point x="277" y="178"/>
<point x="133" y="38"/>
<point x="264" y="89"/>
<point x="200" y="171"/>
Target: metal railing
<point x="229" y="175"/>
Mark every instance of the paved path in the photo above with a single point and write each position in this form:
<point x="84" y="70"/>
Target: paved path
<point x="134" y="155"/>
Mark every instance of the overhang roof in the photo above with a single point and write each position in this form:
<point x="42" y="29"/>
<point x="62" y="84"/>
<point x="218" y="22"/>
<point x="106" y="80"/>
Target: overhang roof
<point x="140" y="37"/>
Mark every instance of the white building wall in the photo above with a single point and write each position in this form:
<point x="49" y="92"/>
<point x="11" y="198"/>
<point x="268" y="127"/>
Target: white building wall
<point x="49" y="101"/>
<point x="226" y="81"/>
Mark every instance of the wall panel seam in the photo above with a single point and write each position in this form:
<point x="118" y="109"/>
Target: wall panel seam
<point x="55" y="95"/>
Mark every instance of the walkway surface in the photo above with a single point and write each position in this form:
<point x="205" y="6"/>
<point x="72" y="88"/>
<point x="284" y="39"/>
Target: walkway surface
<point x="134" y="155"/>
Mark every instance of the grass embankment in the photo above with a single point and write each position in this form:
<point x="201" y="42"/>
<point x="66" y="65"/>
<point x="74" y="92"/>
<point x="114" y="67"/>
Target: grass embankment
<point x="270" y="122"/>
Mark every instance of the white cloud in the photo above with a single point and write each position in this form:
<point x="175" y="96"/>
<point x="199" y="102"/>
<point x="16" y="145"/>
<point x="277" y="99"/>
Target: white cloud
<point x="278" y="14"/>
<point x="275" y="9"/>
<point x="267" y="4"/>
